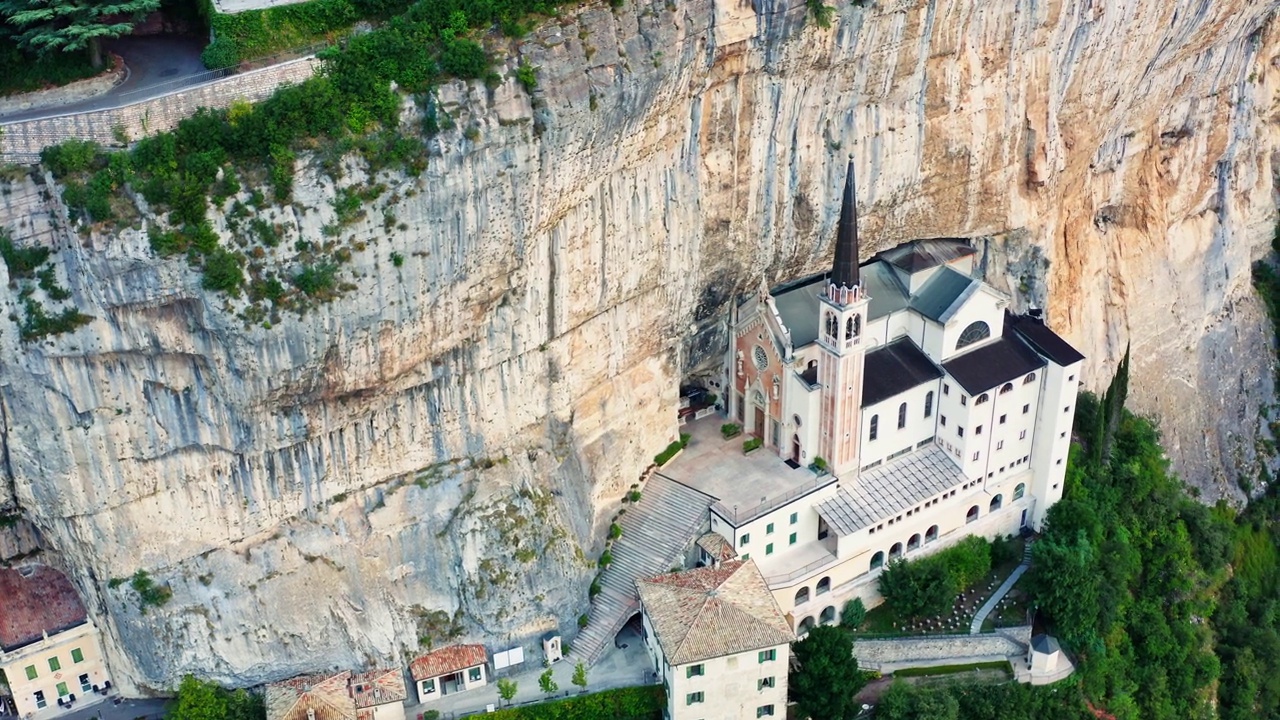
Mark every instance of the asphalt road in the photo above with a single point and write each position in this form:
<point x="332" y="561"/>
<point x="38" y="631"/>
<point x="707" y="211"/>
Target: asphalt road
<point x="154" y="61"/>
<point x="125" y="710"/>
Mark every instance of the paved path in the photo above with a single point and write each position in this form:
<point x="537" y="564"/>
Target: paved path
<point x="655" y="533"/>
<point x="154" y="61"/>
<point x="976" y="626"/>
<point x="107" y="709"/>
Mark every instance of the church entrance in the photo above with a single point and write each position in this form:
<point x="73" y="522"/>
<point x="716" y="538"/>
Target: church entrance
<point x="795" y="449"/>
<point x="759" y="426"/>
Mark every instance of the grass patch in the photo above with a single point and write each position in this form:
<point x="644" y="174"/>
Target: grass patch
<point x="632" y="703"/>
<point x="954" y="669"/>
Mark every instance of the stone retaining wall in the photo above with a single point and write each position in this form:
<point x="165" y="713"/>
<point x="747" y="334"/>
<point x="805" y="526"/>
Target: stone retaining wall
<point x="22" y="141"/>
<point x="931" y="649"/>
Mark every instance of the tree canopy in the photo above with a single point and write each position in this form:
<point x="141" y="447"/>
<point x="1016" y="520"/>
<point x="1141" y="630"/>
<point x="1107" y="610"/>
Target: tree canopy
<point x="72" y="25"/>
<point x="826" y="677"/>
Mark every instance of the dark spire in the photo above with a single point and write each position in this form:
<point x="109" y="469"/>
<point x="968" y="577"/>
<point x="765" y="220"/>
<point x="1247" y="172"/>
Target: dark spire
<point x="844" y="272"/>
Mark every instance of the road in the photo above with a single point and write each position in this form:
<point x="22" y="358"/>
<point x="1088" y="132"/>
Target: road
<point x="125" y="710"/>
<point x="153" y="60"/>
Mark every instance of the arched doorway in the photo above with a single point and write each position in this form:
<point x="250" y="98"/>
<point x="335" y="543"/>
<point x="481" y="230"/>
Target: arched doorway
<point x="795" y="449"/>
<point x="805" y="626"/>
<point x="828" y="616"/>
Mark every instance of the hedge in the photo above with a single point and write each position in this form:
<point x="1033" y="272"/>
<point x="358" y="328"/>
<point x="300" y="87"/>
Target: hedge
<point x="633" y="703"/>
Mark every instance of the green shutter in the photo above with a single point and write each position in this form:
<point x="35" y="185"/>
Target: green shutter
<point x="62" y="690"/>
<point x="31" y="672"/>
<point x="768" y="549"/>
<point x="78" y="657"/>
<point x="792" y="540"/>
<point x="54" y="665"/>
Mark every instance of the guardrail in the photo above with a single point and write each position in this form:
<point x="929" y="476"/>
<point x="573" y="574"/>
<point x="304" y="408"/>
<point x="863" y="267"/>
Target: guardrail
<point x="737" y="517"/>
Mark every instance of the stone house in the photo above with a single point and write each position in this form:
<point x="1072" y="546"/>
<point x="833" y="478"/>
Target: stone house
<point x="452" y="669"/>
<point x="374" y="695"/>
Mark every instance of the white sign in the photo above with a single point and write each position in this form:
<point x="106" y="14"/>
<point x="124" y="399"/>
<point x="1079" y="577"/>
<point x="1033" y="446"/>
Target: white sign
<point x="507" y="658"/>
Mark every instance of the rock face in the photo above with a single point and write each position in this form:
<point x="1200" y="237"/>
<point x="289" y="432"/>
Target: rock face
<point x="437" y="452"/>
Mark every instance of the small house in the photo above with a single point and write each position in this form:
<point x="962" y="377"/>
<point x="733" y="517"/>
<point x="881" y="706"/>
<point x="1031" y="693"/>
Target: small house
<point x="449" y="670"/>
<point x="1045" y="655"/>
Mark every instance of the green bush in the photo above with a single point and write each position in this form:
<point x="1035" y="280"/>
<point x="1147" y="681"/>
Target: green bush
<point x="28" y="71"/>
<point x="751" y="444"/>
<point x="615" y="531"/>
<point x="606" y="559"/>
<point x="595" y="588"/>
<point x="730" y="430"/>
<point x="70" y="156"/>
<point x="583" y="620"/>
<point x="317" y="280"/>
<point x="255" y="33"/>
<point x="22" y="262"/>
<point x="526" y="74"/>
<point x="853" y="614"/>
<point x="633" y="496"/>
<point x="665" y="456"/>
<point x="149" y="593"/>
<point x="222" y="272"/>
<point x="632" y="703"/>
<point x="221" y="53"/>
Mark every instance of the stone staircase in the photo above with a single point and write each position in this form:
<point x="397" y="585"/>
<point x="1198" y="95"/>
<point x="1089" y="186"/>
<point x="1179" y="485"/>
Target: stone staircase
<point x="655" y="533"/>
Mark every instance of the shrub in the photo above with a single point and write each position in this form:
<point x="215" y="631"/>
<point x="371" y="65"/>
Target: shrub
<point x="70" y="156"/>
<point x="634" y="496"/>
<point x="967" y="562"/>
<point x="730" y="430"/>
<point x="222" y="272"/>
<point x="221" y="53"/>
<point x="397" y="259"/>
<point x="595" y="588"/>
<point x="684" y="439"/>
<point x="820" y="463"/>
<point x="665" y="456"/>
<point x="821" y="13"/>
<point x="526" y="74"/>
<point x="615" y="531"/>
<point x="853" y="614"/>
<point x="751" y="444"/>
<point x="22" y="262"/>
<point x="583" y="620"/>
<point x="317" y="280"/>
<point x="149" y="594"/>
<point x="606" y="559"/>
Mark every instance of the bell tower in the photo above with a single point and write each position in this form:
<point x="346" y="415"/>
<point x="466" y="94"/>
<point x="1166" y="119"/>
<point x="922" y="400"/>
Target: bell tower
<point x="842" y="315"/>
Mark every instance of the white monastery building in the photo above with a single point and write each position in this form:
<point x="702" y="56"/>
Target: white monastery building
<point x="719" y="642"/>
<point x="901" y="407"/>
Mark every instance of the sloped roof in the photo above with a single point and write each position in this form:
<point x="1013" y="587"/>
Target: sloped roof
<point x="890" y="489"/>
<point x="943" y="294"/>
<point x="1046" y="644"/>
<point x="717" y="546"/>
<point x="1044" y="340"/>
<point x="925" y="253"/>
<point x="712" y="612"/>
<point x="447" y="660"/>
<point x="326" y="694"/>
<point x="378" y="687"/>
<point x="797" y="304"/>
<point x="992" y="364"/>
<point x="894" y="368"/>
<point x="881" y="284"/>
<point x="36" y="599"/>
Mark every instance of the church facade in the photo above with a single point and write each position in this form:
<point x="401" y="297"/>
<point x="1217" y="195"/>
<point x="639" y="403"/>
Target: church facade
<point x="927" y="411"/>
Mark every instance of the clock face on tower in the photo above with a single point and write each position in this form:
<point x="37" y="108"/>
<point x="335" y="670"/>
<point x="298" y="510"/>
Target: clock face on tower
<point x="760" y="357"/>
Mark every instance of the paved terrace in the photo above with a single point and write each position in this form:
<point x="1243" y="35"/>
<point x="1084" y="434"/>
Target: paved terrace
<point x="744" y="486"/>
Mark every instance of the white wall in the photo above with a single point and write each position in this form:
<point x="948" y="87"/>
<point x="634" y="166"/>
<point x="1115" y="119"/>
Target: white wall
<point x="1053" y="435"/>
<point x="753" y="538"/>
<point x="889" y="438"/>
<point x="14" y="664"/>
<point x="730" y="687"/>
<point x="984" y="305"/>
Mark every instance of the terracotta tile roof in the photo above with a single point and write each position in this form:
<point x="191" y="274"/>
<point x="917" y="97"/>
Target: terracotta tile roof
<point x="327" y="694"/>
<point x="717" y="546"/>
<point x="713" y="612"/>
<point x="378" y="687"/>
<point x="447" y="660"/>
<point x="36" y="599"/>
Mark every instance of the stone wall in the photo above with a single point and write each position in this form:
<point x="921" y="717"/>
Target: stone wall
<point x="23" y="140"/>
<point x="941" y="649"/>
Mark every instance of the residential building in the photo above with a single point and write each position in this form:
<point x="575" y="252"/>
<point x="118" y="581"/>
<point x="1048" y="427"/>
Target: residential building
<point x="374" y="695"/>
<point x="449" y="670"/>
<point x="901" y="407"/>
<point x="49" y="650"/>
<point x="719" y="642"/>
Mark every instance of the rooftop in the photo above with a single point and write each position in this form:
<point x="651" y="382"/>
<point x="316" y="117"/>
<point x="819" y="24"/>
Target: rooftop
<point x="717" y="546"/>
<point x="923" y="254"/>
<point x="378" y="687"/>
<point x="34" y="600"/>
<point x="895" y="368"/>
<point x="1044" y="340"/>
<point x="327" y="694"/>
<point x="890" y="489"/>
<point x="447" y="660"/>
<point x="712" y="612"/>
<point x="797" y="304"/>
<point x="1046" y="644"/>
<point x="745" y="486"/>
<point x="943" y="294"/>
<point x="992" y="364"/>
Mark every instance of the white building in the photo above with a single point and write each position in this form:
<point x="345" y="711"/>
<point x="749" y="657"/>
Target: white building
<point x="901" y="408"/>
<point x="718" y="640"/>
<point x="456" y="668"/>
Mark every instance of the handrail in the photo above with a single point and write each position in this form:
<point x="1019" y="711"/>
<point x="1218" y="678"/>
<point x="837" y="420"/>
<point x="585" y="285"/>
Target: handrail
<point x="738" y="517"/>
<point x="801" y="572"/>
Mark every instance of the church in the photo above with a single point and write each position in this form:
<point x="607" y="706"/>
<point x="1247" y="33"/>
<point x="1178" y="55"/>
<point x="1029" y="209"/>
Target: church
<point x="900" y="406"/>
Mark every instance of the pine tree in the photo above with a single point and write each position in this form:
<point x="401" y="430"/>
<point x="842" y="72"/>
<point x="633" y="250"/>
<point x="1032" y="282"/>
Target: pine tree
<point x="72" y="25"/>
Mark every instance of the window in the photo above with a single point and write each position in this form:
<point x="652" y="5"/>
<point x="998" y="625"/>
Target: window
<point x="975" y="457"/>
<point x="795" y="517"/>
<point x="877" y="560"/>
<point x="828" y="615"/>
<point x="931" y="534"/>
<point x="31" y="672"/>
<point x="791" y="539"/>
<point x="54" y="664"/>
<point x="996" y="502"/>
<point x="768" y="529"/>
<point x="1066" y="409"/>
<point x="1062" y="434"/>
<point x="1003" y="418"/>
<point x="695" y="670"/>
<point x="428" y="686"/>
<point x="959" y="431"/>
<point x="85" y="685"/>
<point x="978" y="431"/>
<point x="1019" y="491"/>
<point x="946" y="389"/>
<point x="1026" y="409"/>
<point x="942" y="420"/>
<point x="928" y="404"/>
<point x="693" y="698"/>
<point x="768" y="549"/>
<point x="1059" y="461"/>
<point x="802" y="595"/>
<point x="1007" y="387"/>
<point x="796" y="419"/>
<point x="1022" y="435"/>
<point x="973" y="333"/>
<point x="824" y="585"/>
<point x="62" y="690"/>
<point x="746" y="556"/>
<point x="895" y="551"/>
<point x="964" y="399"/>
<point x="40" y="701"/>
<point x="875" y="426"/>
<point x="914" y="542"/>
<point x="1030" y="378"/>
<point x="77" y="656"/>
<point x="760" y="357"/>
<point x="473" y="674"/>
<point x="902" y="416"/>
<point x="765" y="683"/>
<point x="981" y="399"/>
<point x="1000" y="445"/>
<point x="971" y="515"/>
<point x="746" y="538"/>
<point x="768" y="655"/>
<point x="764" y="711"/>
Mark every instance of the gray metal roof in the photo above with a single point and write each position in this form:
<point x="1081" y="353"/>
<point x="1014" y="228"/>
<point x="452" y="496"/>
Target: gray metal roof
<point x="890" y="489"/>
<point x="797" y="303"/>
<point x="925" y="253"/>
<point x="944" y="294"/>
<point x="895" y="368"/>
<point x="881" y="284"/>
<point x="1046" y="644"/>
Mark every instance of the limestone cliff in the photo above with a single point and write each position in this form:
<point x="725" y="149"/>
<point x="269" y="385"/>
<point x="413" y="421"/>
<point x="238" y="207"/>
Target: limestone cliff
<point x="436" y="452"/>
